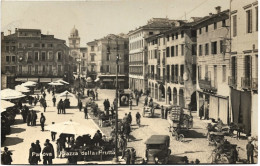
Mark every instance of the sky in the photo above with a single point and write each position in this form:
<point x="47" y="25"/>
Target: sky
<point x="96" y="19"/>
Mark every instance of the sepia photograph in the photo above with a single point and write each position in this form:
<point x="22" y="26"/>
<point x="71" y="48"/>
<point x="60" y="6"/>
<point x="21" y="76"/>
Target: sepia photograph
<point x="132" y="82"/>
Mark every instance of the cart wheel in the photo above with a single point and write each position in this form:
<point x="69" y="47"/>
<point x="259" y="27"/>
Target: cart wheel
<point x="181" y="137"/>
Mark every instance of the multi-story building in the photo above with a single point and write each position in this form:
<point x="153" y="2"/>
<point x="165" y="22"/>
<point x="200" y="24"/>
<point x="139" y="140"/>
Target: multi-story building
<point x="78" y="53"/>
<point x="172" y="65"/>
<point x="213" y="65"/>
<point x="138" y="58"/>
<point x="102" y="57"/>
<point x="243" y="80"/>
<point x="30" y="55"/>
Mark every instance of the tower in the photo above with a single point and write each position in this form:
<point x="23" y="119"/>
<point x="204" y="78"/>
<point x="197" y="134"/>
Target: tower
<point x="74" y="39"/>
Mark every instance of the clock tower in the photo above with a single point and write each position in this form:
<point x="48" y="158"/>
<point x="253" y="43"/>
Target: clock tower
<point x="74" y="39"/>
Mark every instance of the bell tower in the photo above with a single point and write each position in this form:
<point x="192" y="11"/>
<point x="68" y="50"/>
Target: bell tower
<point x="74" y="39"/>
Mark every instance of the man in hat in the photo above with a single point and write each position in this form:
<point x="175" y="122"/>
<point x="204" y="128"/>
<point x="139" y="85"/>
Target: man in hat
<point x="42" y="121"/>
<point x="59" y="106"/>
<point x="29" y="118"/>
<point x="52" y="149"/>
<point x="6" y="157"/>
<point x="250" y="152"/>
<point x="122" y="145"/>
<point x="38" y="150"/>
<point x="80" y="105"/>
<point x="86" y="112"/>
<point x="46" y="153"/>
<point x="32" y="155"/>
<point x="54" y="101"/>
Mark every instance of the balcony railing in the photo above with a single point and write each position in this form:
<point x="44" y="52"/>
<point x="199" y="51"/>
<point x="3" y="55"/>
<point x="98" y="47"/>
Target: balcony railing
<point x="254" y="83"/>
<point x="206" y="85"/>
<point x="245" y="83"/>
<point x="181" y="81"/>
<point x="232" y="81"/>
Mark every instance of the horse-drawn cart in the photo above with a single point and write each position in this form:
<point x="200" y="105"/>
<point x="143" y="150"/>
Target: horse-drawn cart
<point x="179" y="122"/>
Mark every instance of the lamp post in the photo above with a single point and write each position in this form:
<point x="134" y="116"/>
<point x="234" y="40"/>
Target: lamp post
<point x="117" y="59"/>
<point x="79" y="61"/>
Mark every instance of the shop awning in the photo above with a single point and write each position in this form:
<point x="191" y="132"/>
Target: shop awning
<point x="21" y="79"/>
<point x="55" y="79"/>
<point x="33" y="79"/>
<point x="107" y="80"/>
<point x="45" y="79"/>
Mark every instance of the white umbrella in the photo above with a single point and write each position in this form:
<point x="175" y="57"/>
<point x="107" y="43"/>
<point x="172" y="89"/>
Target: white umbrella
<point x="66" y="94"/>
<point x="11" y="94"/>
<point x="6" y="104"/>
<point x="55" y="83"/>
<point x="62" y="81"/>
<point x="29" y="83"/>
<point x="21" y="88"/>
<point x="89" y="79"/>
<point x="70" y="127"/>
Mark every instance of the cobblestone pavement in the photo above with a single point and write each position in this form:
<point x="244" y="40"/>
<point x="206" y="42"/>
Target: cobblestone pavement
<point x="194" y="147"/>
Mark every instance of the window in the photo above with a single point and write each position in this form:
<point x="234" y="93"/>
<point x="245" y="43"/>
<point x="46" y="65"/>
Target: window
<point x="206" y="72"/>
<point x="43" y="45"/>
<point x="36" y="45"/>
<point x="168" y="38"/>
<point x="20" y="69"/>
<point x="172" y="51"/>
<point x="7" y="58"/>
<point x="43" y="69"/>
<point x="83" y="54"/>
<point x="108" y="57"/>
<point x="108" y="68"/>
<point x="256" y="21"/>
<point x="215" y="25"/>
<point x="247" y="66"/>
<point x="13" y="58"/>
<point x="159" y="41"/>
<point x="59" y="56"/>
<point x="7" y="48"/>
<point x="164" y="41"/>
<point x="36" y="69"/>
<point x="224" y="71"/>
<point x="194" y="72"/>
<point x="50" y="45"/>
<point x="223" y="23"/>
<point x="200" y="50"/>
<point x="92" y="57"/>
<point x="182" y="49"/>
<point x="50" y="55"/>
<point x="92" y="48"/>
<point x="177" y="35"/>
<point x="92" y="68"/>
<point x="249" y="21"/>
<point x="167" y="51"/>
<point x="234" y="25"/>
<point x="172" y="36"/>
<point x="20" y="45"/>
<point x="29" y="69"/>
<point x="207" y="49"/>
<point x="222" y="50"/>
<point x="50" y="69"/>
<point x="59" y="69"/>
<point x="213" y="47"/>
<point x="43" y="56"/>
<point x="30" y="55"/>
<point x="36" y="56"/>
<point x="29" y="45"/>
<point x="193" y="33"/>
<point x="7" y="68"/>
<point x="73" y="42"/>
<point x="206" y="29"/>
<point x="194" y="49"/>
<point x="176" y="48"/>
<point x="200" y="31"/>
<point x="150" y="33"/>
<point x="182" y="34"/>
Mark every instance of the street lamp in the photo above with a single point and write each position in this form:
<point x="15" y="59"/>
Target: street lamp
<point x="79" y="61"/>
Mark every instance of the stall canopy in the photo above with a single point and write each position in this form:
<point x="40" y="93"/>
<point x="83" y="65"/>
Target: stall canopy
<point x="45" y="79"/>
<point x="11" y="94"/>
<point x="21" y="88"/>
<point x="62" y="81"/>
<point x="5" y="104"/>
<point x="70" y="127"/>
<point x="66" y="94"/>
<point x="29" y="83"/>
<point x="55" y="83"/>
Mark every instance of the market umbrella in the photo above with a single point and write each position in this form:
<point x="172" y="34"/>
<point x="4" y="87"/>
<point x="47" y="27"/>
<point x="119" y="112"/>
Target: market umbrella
<point x="62" y="81"/>
<point x="66" y="94"/>
<point x="89" y="79"/>
<point x="55" y="83"/>
<point x="11" y="94"/>
<point x="29" y="83"/>
<point x="21" y="88"/>
<point x="6" y="104"/>
<point x="70" y="127"/>
<point x="98" y="79"/>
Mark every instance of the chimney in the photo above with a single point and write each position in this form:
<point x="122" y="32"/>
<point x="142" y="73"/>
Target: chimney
<point x="218" y="9"/>
<point x="9" y="32"/>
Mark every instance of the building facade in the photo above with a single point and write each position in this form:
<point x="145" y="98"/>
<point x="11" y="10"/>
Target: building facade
<point x="31" y="55"/>
<point x="138" y="57"/>
<point x="213" y="66"/>
<point x="102" y="58"/>
<point x="172" y="65"/>
<point x="243" y="80"/>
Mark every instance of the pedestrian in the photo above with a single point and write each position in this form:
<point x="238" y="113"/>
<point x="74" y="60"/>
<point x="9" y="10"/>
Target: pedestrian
<point x="130" y="103"/>
<point x="127" y="130"/>
<point x="59" y="147"/>
<point x="54" y="101"/>
<point x="162" y="112"/>
<point x="233" y="156"/>
<point x="44" y="95"/>
<point x="53" y="92"/>
<point x="24" y="113"/>
<point x="29" y="118"/>
<point x="129" y="118"/>
<point x="80" y="105"/>
<point x="137" y="99"/>
<point x="59" y="106"/>
<point x="53" y="134"/>
<point x="93" y="95"/>
<point x="146" y="101"/>
<point x="6" y="157"/>
<point x="64" y="107"/>
<point x="201" y="111"/>
<point x="96" y="95"/>
<point x="122" y="145"/>
<point x="46" y="152"/>
<point x="38" y="150"/>
<point x="128" y="157"/>
<point x="86" y="112"/>
<point x="88" y="92"/>
<point x="133" y="156"/>
<point x="52" y="149"/>
<point x="44" y="104"/>
<point x="34" y="118"/>
<point x="250" y="152"/>
<point x="35" y="101"/>
<point x="138" y="119"/>
<point x="125" y="118"/>
<point x="32" y="155"/>
<point x="42" y="121"/>
<point x="166" y="113"/>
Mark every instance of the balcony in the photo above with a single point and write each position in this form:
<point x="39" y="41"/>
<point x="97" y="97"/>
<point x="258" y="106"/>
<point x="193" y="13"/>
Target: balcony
<point x="181" y="81"/>
<point x="206" y="85"/>
<point x="245" y="83"/>
<point x="232" y="81"/>
<point x="255" y="84"/>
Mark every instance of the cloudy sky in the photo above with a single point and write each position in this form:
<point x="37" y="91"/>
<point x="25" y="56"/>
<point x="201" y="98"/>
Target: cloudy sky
<point x="95" y="19"/>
